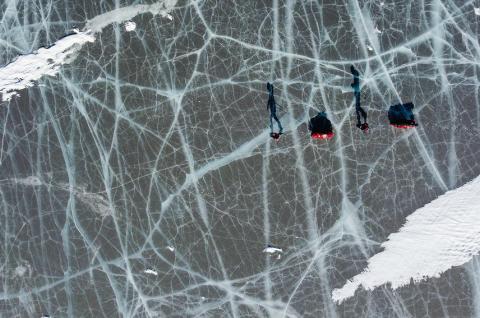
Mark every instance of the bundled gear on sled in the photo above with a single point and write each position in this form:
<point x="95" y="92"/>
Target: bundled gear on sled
<point x="401" y="116"/>
<point x="320" y="127"/>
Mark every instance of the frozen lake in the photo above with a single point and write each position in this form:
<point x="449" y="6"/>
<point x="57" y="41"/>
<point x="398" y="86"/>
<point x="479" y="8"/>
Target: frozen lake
<point x="138" y="178"/>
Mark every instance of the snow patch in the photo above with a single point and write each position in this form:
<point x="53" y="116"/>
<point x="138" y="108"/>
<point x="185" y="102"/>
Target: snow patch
<point x="26" y="69"/>
<point x="272" y="250"/>
<point x="20" y="270"/>
<point x="171" y="248"/>
<point x="127" y="13"/>
<point x="477" y="11"/>
<point x="22" y="72"/>
<point x="442" y="234"/>
<point x="151" y="272"/>
<point x="130" y="26"/>
<point x="369" y="48"/>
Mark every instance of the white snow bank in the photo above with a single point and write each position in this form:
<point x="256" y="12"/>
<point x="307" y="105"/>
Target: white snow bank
<point x="130" y="26"/>
<point x="22" y="72"/>
<point x="26" y="69"/>
<point x="477" y="11"/>
<point x="442" y="234"/>
<point x="127" y="13"/>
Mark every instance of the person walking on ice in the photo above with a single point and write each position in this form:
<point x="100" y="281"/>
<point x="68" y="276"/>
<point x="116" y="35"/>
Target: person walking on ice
<point x="272" y="106"/>
<point x="358" y="108"/>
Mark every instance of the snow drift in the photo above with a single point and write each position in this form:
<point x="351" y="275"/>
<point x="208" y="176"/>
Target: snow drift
<point x="436" y="237"/>
<point x="26" y="69"/>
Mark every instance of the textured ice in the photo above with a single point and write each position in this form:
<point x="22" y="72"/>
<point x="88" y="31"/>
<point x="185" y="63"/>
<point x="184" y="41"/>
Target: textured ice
<point x="97" y="202"/>
<point x="119" y="150"/>
<point x="29" y="181"/>
<point x="436" y="237"/>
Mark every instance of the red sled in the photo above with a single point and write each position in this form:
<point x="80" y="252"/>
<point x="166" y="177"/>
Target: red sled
<point x="323" y="136"/>
<point x="403" y="126"/>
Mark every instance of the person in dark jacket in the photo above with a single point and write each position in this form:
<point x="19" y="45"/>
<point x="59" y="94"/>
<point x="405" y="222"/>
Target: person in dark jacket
<point x="272" y="106"/>
<point x="358" y="108"/>
<point x="401" y="116"/>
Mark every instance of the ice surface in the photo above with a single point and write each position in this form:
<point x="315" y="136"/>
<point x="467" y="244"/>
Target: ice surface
<point x="436" y="237"/>
<point x="118" y="150"/>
